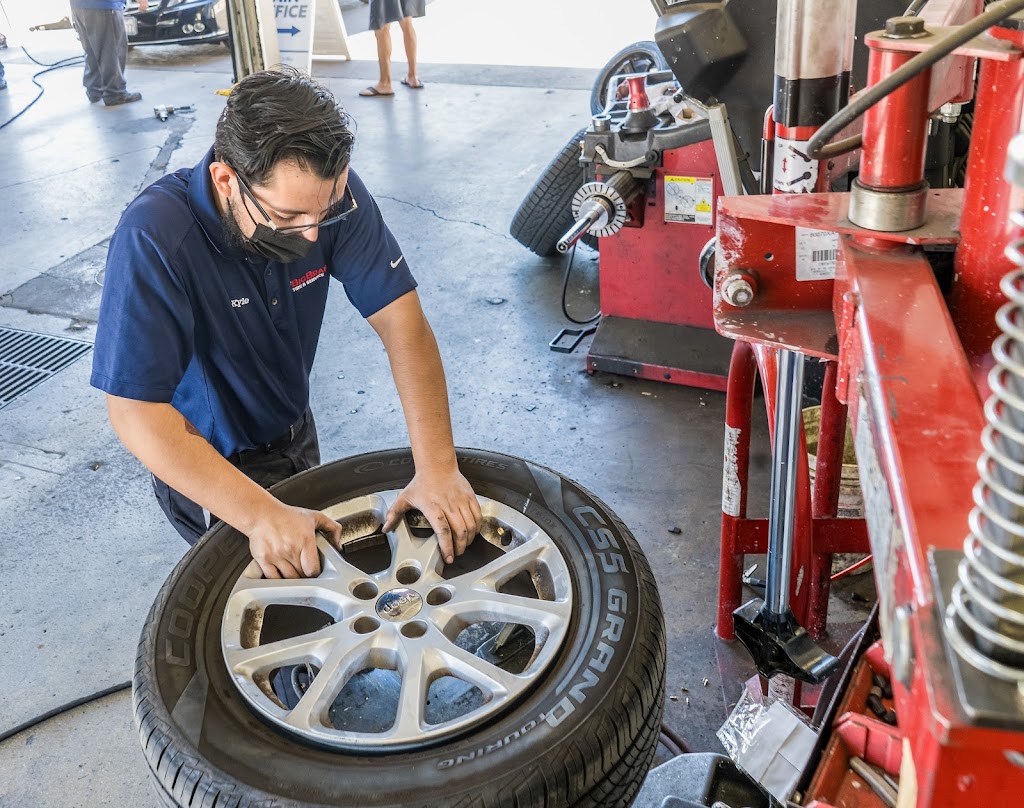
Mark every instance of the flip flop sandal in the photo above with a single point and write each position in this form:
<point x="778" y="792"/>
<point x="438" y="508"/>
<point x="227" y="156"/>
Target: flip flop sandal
<point x="413" y="86"/>
<point x="373" y="92"/>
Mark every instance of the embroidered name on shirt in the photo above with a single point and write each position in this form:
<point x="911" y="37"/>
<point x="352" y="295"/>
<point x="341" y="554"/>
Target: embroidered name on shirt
<point x="305" y="280"/>
<point x="239" y="302"/>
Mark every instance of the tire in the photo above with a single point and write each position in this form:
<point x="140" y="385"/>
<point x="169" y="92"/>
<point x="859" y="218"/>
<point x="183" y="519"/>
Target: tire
<point x="582" y="733"/>
<point x="545" y="214"/>
<point x="640" y="57"/>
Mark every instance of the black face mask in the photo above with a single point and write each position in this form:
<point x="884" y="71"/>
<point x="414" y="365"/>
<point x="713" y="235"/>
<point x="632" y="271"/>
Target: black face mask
<point x="281" y="247"/>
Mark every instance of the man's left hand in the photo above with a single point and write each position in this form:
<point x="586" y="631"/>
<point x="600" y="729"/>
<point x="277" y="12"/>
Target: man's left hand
<point x="448" y="503"/>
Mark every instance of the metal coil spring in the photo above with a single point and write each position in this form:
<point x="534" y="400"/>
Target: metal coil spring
<point x="979" y="599"/>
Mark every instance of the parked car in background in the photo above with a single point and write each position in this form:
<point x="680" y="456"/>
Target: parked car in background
<point x="177" y="22"/>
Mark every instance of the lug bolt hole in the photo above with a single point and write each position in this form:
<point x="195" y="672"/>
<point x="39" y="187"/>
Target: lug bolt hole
<point x="366" y="590"/>
<point x="441" y="594"/>
<point x="365" y="625"/>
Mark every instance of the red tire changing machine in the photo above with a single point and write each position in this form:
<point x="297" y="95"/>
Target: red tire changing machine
<point x="931" y="379"/>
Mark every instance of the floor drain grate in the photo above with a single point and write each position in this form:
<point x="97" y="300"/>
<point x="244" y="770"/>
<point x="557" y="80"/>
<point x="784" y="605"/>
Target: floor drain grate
<point x="27" y="359"/>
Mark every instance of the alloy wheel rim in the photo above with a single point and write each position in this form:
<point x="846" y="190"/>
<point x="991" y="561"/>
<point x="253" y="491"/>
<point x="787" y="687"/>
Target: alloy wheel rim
<point x="443" y="647"/>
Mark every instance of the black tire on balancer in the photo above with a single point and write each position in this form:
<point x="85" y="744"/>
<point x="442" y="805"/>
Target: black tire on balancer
<point x="545" y="214"/>
<point x="584" y="735"/>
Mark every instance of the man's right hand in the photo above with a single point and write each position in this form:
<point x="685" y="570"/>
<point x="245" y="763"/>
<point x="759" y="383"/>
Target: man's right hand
<point x="284" y="542"/>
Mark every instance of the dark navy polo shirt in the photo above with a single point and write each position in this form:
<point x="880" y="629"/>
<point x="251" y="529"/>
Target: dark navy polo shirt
<point x="227" y="337"/>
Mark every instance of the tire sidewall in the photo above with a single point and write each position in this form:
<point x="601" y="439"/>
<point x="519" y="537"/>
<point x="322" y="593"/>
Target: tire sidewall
<point x="208" y="718"/>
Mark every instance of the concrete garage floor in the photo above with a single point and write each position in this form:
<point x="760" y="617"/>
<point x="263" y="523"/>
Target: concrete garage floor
<point x="85" y="548"/>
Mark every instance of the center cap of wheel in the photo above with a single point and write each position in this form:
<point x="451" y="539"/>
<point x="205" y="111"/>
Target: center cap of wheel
<point x="399" y="604"/>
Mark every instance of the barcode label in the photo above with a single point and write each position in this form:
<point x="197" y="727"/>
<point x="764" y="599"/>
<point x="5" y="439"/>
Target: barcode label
<point x="816" y="253"/>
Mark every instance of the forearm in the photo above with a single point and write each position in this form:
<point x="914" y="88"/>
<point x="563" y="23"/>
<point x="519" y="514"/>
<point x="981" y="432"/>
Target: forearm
<point x="419" y="378"/>
<point x="438" y="488"/>
<point x="163" y="440"/>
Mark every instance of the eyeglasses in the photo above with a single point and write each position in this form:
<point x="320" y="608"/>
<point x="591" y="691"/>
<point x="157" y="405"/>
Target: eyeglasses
<point x="330" y="217"/>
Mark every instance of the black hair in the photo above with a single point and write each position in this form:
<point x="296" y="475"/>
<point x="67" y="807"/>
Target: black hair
<point x="283" y="114"/>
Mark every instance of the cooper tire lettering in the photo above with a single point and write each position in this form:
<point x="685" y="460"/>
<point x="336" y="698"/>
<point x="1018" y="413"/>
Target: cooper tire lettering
<point x="193" y="595"/>
<point x="173" y="656"/>
<point x="180" y="624"/>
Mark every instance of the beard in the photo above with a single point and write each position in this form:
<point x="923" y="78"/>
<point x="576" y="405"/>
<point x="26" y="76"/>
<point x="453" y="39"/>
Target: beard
<point x="232" y="232"/>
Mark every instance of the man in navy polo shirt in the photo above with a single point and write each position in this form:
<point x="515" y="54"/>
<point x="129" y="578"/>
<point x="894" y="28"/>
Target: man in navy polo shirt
<point x="214" y="295"/>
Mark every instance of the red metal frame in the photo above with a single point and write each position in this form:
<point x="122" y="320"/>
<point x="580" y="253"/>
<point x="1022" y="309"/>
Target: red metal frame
<point x="986" y="216"/>
<point x="908" y="365"/>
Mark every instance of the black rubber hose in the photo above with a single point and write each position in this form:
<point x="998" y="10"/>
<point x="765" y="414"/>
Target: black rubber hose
<point x="71" y="705"/>
<point x="667" y="742"/>
<point x="78" y="58"/>
<point x="676" y="738"/>
<point x="565" y="287"/>
<point x="68" y="62"/>
<point x="819" y="148"/>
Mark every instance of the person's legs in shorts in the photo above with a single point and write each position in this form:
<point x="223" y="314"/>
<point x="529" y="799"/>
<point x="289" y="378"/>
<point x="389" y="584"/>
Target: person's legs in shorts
<point x="409" y="40"/>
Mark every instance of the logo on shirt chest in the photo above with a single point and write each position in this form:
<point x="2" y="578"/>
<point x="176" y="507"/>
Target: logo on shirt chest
<point x="238" y="302"/>
<point x="309" y="278"/>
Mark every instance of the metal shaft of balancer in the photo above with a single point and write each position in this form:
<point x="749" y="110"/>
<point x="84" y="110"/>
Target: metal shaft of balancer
<point x="578" y="230"/>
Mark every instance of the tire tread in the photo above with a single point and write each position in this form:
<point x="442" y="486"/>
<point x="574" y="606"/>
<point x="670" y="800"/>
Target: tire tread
<point x="545" y="214"/>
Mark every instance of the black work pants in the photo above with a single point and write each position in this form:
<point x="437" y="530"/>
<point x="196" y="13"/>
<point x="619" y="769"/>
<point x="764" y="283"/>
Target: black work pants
<point x="265" y="466"/>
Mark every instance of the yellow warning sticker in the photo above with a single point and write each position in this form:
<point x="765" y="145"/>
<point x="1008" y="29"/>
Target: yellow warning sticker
<point x="689" y="200"/>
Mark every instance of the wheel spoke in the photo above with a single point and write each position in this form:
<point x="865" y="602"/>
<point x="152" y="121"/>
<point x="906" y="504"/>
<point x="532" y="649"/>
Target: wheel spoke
<point x="336" y="566"/>
<point x="542" y="616"/>
<point x="494" y="682"/>
<point x="260" y="593"/>
<point x="343" y="663"/>
<point x="405" y="548"/>
<point x="492" y="575"/>
<point x="251" y="598"/>
<point x="263" y="658"/>
<point x="413" y="696"/>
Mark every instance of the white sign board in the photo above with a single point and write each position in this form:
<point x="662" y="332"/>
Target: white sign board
<point x="295" y="21"/>
<point x="331" y="40"/>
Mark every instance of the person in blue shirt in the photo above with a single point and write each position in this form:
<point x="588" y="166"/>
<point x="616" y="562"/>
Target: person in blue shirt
<point x="100" y="28"/>
<point x="214" y="295"/>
